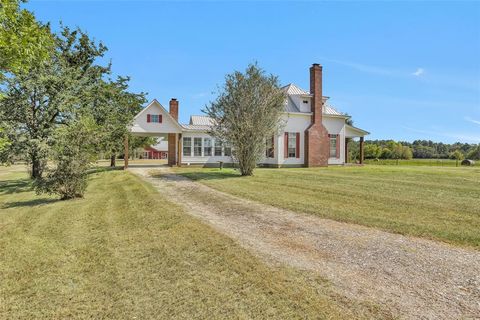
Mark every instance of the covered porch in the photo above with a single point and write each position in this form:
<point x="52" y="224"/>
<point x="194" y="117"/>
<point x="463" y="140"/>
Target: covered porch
<point x="155" y="121"/>
<point x="351" y="133"/>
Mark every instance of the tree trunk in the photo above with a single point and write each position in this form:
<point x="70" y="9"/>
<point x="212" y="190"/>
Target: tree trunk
<point x="113" y="159"/>
<point x="36" y="167"/>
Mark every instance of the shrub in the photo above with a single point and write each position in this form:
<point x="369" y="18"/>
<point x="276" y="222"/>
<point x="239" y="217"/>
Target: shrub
<point x="73" y="156"/>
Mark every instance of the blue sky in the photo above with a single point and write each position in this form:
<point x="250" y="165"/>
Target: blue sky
<point x="403" y="70"/>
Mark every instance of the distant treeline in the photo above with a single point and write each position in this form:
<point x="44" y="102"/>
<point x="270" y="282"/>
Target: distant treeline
<point x="419" y="149"/>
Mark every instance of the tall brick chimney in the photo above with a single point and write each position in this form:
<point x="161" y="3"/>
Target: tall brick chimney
<point x="316" y="136"/>
<point x="172" y="139"/>
<point x="174" y="108"/>
<point x="316" y="90"/>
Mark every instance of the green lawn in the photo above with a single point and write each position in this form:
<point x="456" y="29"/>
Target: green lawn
<point x="125" y="252"/>
<point x="415" y="162"/>
<point x="430" y="202"/>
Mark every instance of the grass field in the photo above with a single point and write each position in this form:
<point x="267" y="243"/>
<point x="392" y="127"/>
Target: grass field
<point x="125" y="252"/>
<point x="430" y="202"/>
<point x="415" y="162"/>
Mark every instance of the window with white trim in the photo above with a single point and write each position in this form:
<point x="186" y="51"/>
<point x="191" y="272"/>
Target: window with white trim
<point x="227" y="150"/>
<point x="292" y="144"/>
<point x="333" y="145"/>
<point x="197" y="147"/>
<point x="187" y="146"/>
<point x="218" y="147"/>
<point x="207" y="147"/>
<point x="269" y="148"/>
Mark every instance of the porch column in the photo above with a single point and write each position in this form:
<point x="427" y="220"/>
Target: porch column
<point x="361" y="150"/>
<point x="125" y="157"/>
<point x="346" y="150"/>
<point x="172" y="154"/>
<point x="179" y="149"/>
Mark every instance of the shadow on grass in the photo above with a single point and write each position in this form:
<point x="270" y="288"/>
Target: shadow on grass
<point x="15" y="186"/>
<point x="210" y="175"/>
<point x="103" y="169"/>
<point x="29" y="203"/>
<point x="147" y="165"/>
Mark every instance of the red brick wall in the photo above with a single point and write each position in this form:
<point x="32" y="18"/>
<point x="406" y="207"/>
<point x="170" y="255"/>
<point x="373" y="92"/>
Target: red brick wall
<point x="316" y="136"/>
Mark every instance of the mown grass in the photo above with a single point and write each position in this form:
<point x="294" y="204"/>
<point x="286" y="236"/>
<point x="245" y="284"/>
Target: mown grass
<point x="414" y="162"/>
<point x="125" y="252"/>
<point x="430" y="202"/>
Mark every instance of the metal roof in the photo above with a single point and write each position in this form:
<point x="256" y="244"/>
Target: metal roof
<point x="290" y="105"/>
<point x="196" y="127"/>
<point x="328" y="109"/>
<point x="203" y="123"/>
<point x="201" y="120"/>
<point x="293" y="89"/>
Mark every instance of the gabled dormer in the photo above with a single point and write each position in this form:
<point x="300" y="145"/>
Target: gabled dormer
<point x="155" y="119"/>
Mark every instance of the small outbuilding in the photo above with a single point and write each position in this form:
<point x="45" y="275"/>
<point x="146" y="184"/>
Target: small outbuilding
<point x="468" y="162"/>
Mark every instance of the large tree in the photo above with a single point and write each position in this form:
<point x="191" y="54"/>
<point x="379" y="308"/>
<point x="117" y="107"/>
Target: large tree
<point x="114" y="108"/>
<point x="23" y="40"/>
<point x="49" y="95"/>
<point x="246" y="113"/>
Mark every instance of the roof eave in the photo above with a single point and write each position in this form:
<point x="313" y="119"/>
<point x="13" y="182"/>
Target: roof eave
<point x="358" y="129"/>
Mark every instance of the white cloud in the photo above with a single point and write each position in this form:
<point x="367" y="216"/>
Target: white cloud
<point x="419" y="72"/>
<point x="472" y="120"/>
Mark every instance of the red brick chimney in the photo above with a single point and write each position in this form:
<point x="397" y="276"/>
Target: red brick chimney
<point x="172" y="137"/>
<point x="316" y="136"/>
<point x="174" y="108"/>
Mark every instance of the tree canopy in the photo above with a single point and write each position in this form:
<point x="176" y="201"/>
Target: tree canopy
<point x="57" y="102"/>
<point x="23" y="40"/>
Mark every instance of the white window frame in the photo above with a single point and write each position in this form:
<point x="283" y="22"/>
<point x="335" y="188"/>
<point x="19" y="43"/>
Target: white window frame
<point x="187" y="146"/>
<point x="196" y="139"/>
<point x="333" y="146"/>
<point x="207" y="143"/>
<point x="292" y="140"/>
<point x="270" y="146"/>
<point x="228" y="147"/>
<point x="217" y="145"/>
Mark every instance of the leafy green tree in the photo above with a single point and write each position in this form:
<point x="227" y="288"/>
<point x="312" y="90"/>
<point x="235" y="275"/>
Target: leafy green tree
<point x="386" y="153"/>
<point x="474" y="153"/>
<point x="246" y="112"/>
<point x="423" y="152"/>
<point x="4" y="142"/>
<point x="407" y="153"/>
<point x="353" y="150"/>
<point x="72" y="155"/>
<point x="372" y="151"/>
<point x="23" y="40"/>
<point x="114" y="108"/>
<point x="37" y="102"/>
<point x="457" y="155"/>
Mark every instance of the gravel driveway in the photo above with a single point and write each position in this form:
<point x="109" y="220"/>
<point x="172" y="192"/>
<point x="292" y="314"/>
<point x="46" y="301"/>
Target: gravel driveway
<point x="411" y="277"/>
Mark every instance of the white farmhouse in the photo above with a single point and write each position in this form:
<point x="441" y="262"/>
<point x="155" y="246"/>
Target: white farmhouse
<point x="314" y="134"/>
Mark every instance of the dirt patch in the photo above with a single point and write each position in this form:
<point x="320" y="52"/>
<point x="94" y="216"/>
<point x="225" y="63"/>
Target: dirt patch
<point x="411" y="277"/>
